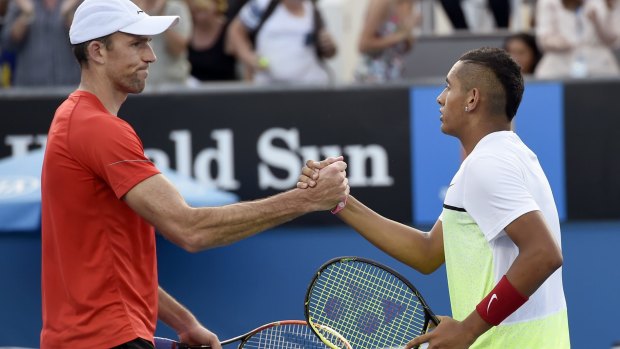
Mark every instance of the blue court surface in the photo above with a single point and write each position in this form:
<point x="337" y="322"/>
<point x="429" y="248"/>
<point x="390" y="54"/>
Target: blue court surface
<point x="236" y="288"/>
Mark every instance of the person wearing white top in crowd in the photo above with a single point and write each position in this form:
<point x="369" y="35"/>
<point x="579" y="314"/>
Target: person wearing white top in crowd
<point x="576" y="37"/>
<point x="290" y="45"/>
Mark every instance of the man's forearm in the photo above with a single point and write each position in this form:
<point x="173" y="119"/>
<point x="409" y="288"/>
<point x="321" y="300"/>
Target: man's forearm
<point x="173" y="314"/>
<point x="211" y="227"/>
<point x="421" y="251"/>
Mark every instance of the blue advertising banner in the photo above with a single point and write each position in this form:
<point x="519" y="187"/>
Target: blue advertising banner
<point x="540" y="124"/>
<point x="436" y="157"/>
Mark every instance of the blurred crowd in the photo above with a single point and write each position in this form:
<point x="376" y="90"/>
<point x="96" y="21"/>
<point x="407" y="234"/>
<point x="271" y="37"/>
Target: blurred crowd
<point x="289" y="41"/>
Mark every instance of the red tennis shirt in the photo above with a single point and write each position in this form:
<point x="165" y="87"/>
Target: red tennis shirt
<point x="99" y="267"/>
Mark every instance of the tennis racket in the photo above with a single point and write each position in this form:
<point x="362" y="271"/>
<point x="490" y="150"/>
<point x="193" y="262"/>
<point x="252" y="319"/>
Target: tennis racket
<point x="369" y="304"/>
<point x="288" y="334"/>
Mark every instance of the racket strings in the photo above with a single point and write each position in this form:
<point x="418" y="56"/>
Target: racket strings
<point x="367" y="305"/>
<point x="369" y="322"/>
<point x="288" y="336"/>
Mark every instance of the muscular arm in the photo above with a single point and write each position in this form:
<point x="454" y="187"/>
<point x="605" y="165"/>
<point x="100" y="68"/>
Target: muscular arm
<point x="539" y="257"/>
<point x="194" y="229"/>
<point x="539" y="254"/>
<point x="422" y="251"/>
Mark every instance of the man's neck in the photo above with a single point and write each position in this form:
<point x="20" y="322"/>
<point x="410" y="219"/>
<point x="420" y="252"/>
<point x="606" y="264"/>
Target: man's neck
<point x="111" y="98"/>
<point x="470" y="139"/>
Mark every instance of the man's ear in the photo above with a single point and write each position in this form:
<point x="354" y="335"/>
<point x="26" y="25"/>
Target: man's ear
<point x="473" y="99"/>
<point x="96" y="51"/>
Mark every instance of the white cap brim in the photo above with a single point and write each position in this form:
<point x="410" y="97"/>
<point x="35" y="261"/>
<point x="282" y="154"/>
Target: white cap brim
<point x="150" y="25"/>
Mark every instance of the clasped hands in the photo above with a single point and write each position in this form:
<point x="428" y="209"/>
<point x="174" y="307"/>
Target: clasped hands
<point x="328" y="181"/>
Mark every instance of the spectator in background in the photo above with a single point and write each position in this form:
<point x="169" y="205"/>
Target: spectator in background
<point x="500" y="9"/>
<point x="171" y="48"/>
<point x="290" y="43"/>
<point x="6" y="58"/>
<point x="37" y="31"/>
<point x="206" y="49"/>
<point x="4" y="4"/>
<point x="522" y="47"/>
<point x="454" y="11"/>
<point x="501" y="12"/>
<point x="576" y="37"/>
<point x="387" y="36"/>
<point x="614" y="6"/>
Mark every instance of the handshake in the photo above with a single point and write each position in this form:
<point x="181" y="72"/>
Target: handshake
<point x="326" y="184"/>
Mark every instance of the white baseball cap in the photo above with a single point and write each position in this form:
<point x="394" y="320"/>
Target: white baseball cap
<point x="97" y="18"/>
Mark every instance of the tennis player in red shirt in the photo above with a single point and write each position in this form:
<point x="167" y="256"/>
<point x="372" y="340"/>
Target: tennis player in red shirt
<point x="102" y="198"/>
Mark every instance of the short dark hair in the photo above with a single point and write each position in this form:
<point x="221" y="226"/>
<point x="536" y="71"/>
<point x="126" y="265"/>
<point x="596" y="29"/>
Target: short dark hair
<point x="80" y="51"/>
<point x="504" y="69"/>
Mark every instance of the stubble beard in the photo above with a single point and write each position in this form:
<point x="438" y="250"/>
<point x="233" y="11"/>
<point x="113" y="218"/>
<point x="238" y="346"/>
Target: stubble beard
<point x="134" y="84"/>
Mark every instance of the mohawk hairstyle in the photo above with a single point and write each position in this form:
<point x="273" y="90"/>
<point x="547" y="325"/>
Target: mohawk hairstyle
<point x="505" y="70"/>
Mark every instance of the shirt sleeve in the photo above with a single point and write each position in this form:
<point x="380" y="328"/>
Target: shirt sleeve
<point x="495" y="193"/>
<point x="251" y="13"/>
<point x="113" y="152"/>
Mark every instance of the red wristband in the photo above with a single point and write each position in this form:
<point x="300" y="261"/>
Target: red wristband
<point x="340" y="206"/>
<point x="500" y="303"/>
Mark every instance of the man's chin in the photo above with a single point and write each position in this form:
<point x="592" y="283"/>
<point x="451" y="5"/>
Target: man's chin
<point x="136" y="87"/>
<point x="137" y="91"/>
<point x="444" y="131"/>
